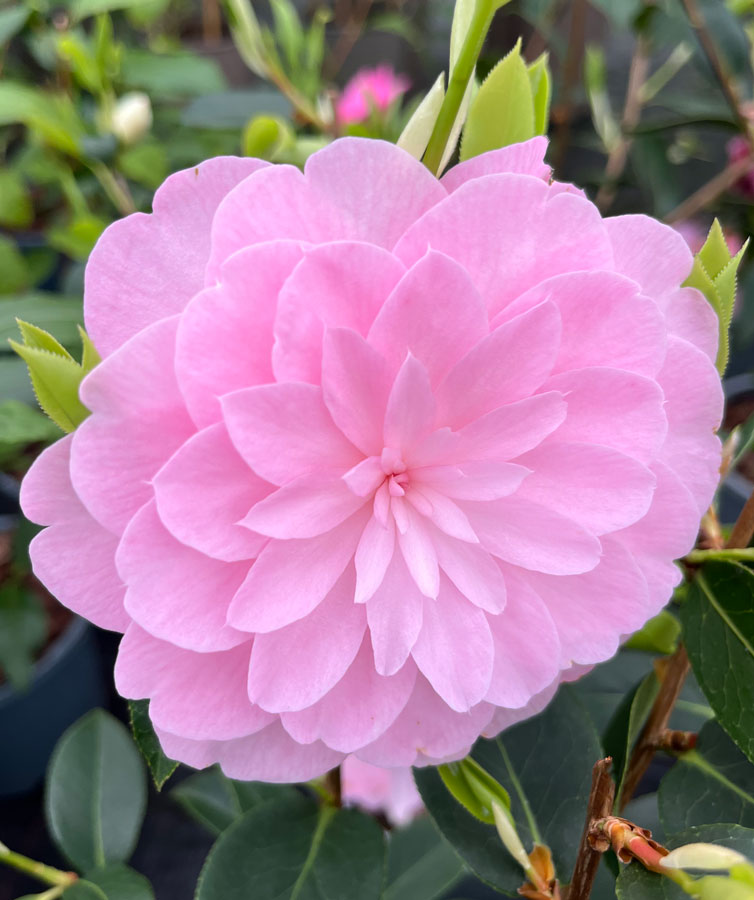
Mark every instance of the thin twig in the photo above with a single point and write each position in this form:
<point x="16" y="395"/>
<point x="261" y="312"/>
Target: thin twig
<point x="709" y="192"/>
<point x="618" y="156"/>
<point x="672" y="681"/>
<point x="743" y="530"/>
<point x="600" y="806"/>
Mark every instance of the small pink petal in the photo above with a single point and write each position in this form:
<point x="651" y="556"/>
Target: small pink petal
<point x="419" y="554"/>
<point x="373" y="556"/>
<point x="394" y="615"/>
<point x="410" y="412"/>
<point x="473" y="571"/>
<point x="526" y="158"/>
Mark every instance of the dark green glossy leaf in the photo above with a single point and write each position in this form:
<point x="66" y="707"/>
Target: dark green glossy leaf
<point x="420" y="865"/>
<point x="233" y="109"/>
<point x="636" y="883"/>
<point x="120" y="882"/>
<point x="96" y="792"/>
<point x="146" y="740"/>
<point x="23" y="629"/>
<point x="295" y="850"/>
<point x="545" y="764"/>
<point x="216" y="801"/>
<point x="84" y="890"/>
<point x="718" y="625"/>
<point x="713" y="783"/>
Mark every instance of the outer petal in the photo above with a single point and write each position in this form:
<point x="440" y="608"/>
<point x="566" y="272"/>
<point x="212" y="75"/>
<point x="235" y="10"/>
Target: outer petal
<point x="435" y="312"/>
<point x="225" y="335"/>
<point x="526" y="158"/>
<point x="283" y="678"/>
<point x="47" y="497"/>
<point x="454" y="650"/>
<point x="175" y="593"/>
<point x="479" y="383"/>
<point x="509" y="232"/>
<point x="361" y="706"/>
<point x="138" y="421"/>
<point x="337" y="285"/>
<point x="157" y="261"/>
<point x="201" y="696"/>
<point x="284" y="431"/>
<point x="394" y="614"/>
<point x="690" y="316"/>
<point x="290" y="578"/>
<point x="203" y="490"/>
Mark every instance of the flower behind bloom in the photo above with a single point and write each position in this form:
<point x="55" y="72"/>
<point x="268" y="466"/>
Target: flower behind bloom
<point x="369" y="90"/>
<point x="388" y="791"/>
<point x="376" y="460"/>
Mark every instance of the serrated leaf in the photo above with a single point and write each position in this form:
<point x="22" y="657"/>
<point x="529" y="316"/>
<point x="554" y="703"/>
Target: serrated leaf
<point x="56" y="381"/>
<point x="95" y="795"/>
<point x="713" y="782"/>
<point x="539" y="78"/>
<point x="502" y="112"/>
<point x="160" y="766"/>
<point x="415" y="136"/>
<point x="292" y="850"/>
<point x="89" y="356"/>
<point x="718" y="628"/>
<point x="545" y="764"/>
<point x="39" y="339"/>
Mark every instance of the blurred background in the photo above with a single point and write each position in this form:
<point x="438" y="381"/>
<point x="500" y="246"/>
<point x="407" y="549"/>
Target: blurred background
<point x="100" y="100"/>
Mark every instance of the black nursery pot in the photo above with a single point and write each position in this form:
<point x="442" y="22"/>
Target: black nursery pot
<point x="67" y="683"/>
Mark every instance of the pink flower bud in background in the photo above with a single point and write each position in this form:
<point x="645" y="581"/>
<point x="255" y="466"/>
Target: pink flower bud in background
<point x="388" y="791"/>
<point x="368" y="90"/>
<point x="739" y="148"/>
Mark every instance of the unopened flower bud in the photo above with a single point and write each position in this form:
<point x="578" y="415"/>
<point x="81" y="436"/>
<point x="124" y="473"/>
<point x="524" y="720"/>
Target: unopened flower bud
<point x="132" y="117"/>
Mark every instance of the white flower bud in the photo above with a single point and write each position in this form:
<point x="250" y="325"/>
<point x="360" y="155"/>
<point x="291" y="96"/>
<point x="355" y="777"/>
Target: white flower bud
<point x="132" y="117"/>
<point x="710" y="857"/>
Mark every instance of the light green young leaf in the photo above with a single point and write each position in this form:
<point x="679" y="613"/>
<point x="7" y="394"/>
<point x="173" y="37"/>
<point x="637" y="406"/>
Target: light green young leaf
<point x="415" y="136"/>
<point x="539" y="78"/>
<point x="55" y="380"/>
<point x="247" y="35"/>
<point x="502" y="112"/>
<point x="267" y="136"/>
<point x="659" y="635"/>
<point x="288" y="32"/>
<point x="474" y="788"/>
<point x="89" y="357"/>
<point x="41" y="340"/>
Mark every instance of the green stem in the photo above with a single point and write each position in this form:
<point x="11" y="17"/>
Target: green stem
<point x="684" y="881"/>
<point x="119" y="195"/>
<point x="733" y="555"/>
<point x="460" y="76"/>
<point x="40" y="871"/>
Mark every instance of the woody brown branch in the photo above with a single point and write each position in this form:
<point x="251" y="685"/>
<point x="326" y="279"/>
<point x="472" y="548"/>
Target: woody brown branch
<point x="600" y="806"/>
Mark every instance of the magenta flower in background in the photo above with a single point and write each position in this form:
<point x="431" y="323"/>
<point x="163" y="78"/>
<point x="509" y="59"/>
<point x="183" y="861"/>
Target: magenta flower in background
<point x="369" y="90"/>
<point x="375" y="460"/>
<point x="695" y="234"/>
<point x="391" y="792"/>
<point x="739" y="148"/>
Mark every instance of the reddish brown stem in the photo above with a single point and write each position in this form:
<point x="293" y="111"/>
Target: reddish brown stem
<point x="599" y="807"/>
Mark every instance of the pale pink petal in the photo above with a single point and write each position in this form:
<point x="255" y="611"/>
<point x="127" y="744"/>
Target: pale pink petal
<point x="225" y="335"/>
<point x="504" y="718"/>
<point x="46" y="492"/>
<point x="355" y="386"/>
<point x="419" y="553"/>
<point x="435" y="313"/>
<point x="134" y="427"/>
<point x="507" y="432"/>
<point x="473" y="571"/>
<point x="361" y="706"/>
<point x="394" y="615"/>
<point x="391" y="792"/>
<point x="183" y="687"/>
<point x="373" y="556"/>
<point x="454" y="650"/>
<point x="533" y="536"/>
<point x="696" y="460"/>
<point x="527" y="647"/>
<point x="338" y="285"/>
<point x="690" y="316"/>
<point x="526" y="158"/>
<point x="410" y="412"/>
<point x="600" y="488"/>
<point x="484" y="479"/>
<point x="175" y="593"/>
<point x="479" y="383"/>
<point x="653" y="254"/>
<point x="693" y="393"/>
<point x="611" y="407"/>
<point x="305" y="507"/>
<point x="290" y="578"/>
<point x="295" y="666"/>
<point x="284" y="431"/>
<point x="203" y="490"/>
<point x="365" y="477"/>
<point x="167" y="249"/>
<point x="509" y="232"/>
<point x="427" y="729"/>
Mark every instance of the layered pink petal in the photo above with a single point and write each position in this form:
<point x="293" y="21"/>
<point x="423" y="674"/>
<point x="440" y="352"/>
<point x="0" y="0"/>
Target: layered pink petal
<point x="411" y="409"/>
<point x="394" y="616"/>
<point x="690" y="316"/>
<point x="526" y="158"/>
<point x="473" y="571"/>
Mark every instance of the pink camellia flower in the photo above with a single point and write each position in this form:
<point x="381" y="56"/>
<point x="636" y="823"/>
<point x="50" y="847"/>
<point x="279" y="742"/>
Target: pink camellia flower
<point x="376" y="459"/>
<point x="369" y="90"/>
<point x="391" y="792"/>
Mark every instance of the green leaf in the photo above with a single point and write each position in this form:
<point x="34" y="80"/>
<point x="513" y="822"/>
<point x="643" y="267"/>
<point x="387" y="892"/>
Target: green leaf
<point x="233" y="109"/>
<point x="502" y="112"/>
<point x="119" y="882"/>
<point x="52" y="116"/>
<point x="20" y="426"/>
<point x="420" y="865"/>
<point x="145" y="163"/>
<point x="636" y="883"/>
<point x="415" y="136"/>
<point x="171" y="75"/>
<point x="16" y="275"/>
<point x="49" y="311"/>
<point x="96" y="792"/>
<point x="23" y="630"/>
<point x="539" y="77"/>
<point x="545" y="764"/>
<point x="216" y="802"/>
<point x="659" y="635"/>
<point x="247" y="35"/>
<point x="474" y="788"/>
<point x="291" y="850"/>
<point x="12" y="20"/>
<point x="714" y="782"/>
<point x="626" y="725"/>
<point x="55" y="380"/>
<point x="718" y="628"/>
<point x="16" y="210"/>
<point x="84" y="890"/>
<point x="146" y="740"/>
<point x="83" y="9"/>
<point x="39" y="339"/>
<point x="266" y="136"/>
<point x="288" y="32"/>
<point x="78" y="236"/>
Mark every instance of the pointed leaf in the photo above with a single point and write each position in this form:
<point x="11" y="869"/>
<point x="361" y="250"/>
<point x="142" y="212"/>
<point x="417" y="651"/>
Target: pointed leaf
<point x="41" y="340"/>
<point x="55" y="380"/>
<point x="160" y="766"/>
<point x="89" y="356"/>
<point x="119" y="882"/>
<point x="539" y="78"/>
<point x="415" y="136"/>
<point x="659" y="635"/>
<point x="474" y="789"/>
